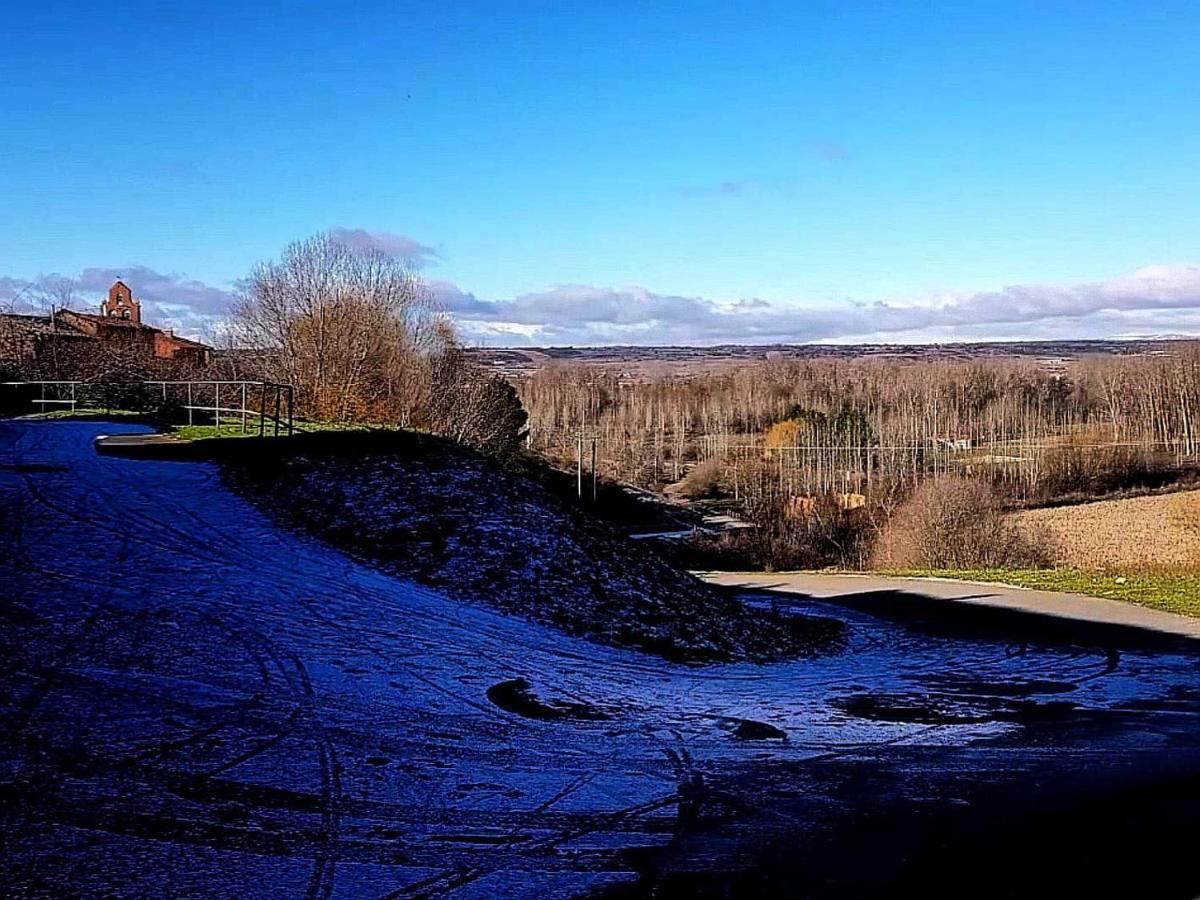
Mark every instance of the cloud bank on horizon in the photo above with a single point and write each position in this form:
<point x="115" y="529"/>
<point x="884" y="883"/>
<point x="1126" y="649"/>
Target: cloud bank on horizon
<point x="1156" y="299"/>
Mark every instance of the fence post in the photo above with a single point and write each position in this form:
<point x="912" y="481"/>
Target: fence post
<point x="217" y="405"/>
<point x="291" y="401"/>
<point x="72" y="397"/>
<point x="189" y="399"/>
<point x="579" y="467"/>
<point x="243" y="407"/>
<point x="593" y="470"/>
<point x="278" y="393"/>
<point x="262" y="408"/>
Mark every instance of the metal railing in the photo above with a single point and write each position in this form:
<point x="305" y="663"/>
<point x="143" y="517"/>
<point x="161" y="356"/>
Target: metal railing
<point x="267" y="404"/>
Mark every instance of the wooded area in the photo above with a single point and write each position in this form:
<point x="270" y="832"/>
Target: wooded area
<point x="836" y="446"/>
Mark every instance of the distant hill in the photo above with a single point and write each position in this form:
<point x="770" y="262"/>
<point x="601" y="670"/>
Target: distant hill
<point x="520" y="360"/>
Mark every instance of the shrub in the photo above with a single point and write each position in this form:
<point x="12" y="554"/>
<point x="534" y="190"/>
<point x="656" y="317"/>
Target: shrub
<point x="783" y="434"/>
<point x="474" y="407"/>
<point x="951" y="522"/>
<point x="703" y="482"/>
<point x="122" y="392"/>
<point x="1093" y="471"/>
<point x="806" y="536"/>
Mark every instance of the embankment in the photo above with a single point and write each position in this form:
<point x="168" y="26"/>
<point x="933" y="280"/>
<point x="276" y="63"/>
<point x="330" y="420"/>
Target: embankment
<point x="434" y="512"/>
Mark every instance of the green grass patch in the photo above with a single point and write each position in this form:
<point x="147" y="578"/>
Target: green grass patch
<point x="1176" y="592"/>
<point x="201" y="432"/>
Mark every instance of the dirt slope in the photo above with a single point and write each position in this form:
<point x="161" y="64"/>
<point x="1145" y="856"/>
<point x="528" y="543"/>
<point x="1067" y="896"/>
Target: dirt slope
<point x="452" y="519"/>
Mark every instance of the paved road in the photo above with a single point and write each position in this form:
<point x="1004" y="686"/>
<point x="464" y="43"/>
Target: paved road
<point x="194" y="702"/>
<point x="1077" y="607"/>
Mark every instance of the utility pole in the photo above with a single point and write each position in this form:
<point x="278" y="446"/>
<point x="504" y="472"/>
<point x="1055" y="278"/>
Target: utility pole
<point x="593" y="470"/>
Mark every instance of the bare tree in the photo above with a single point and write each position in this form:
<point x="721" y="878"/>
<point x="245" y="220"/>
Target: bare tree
<point x="353" y="330"/>
<point x="358" y="336"/>
<point x="473" y="406"/>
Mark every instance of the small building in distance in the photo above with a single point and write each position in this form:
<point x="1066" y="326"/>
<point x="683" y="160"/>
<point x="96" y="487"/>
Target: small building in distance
<point x="120" y="324"/>
<point x="117" y="327"/>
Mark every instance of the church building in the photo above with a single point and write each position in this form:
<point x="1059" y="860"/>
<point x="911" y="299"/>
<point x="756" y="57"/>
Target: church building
<point x="121" y="305"/>
<point x="118" y="326"/>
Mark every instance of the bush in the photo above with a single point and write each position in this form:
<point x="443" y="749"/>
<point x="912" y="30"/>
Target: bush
<point x="474" y="407"/>
<point x="814" y="535"/>
<point x="703" y="482"/>
<point x="123" y="392"/>
<point x="1072" y="471"/>
<point x="951" y="522"/>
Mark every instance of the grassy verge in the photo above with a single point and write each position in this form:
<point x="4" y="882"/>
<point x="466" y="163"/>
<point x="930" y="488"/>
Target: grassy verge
<point x="1176" y="592"/>
<point x="199" y="432"/>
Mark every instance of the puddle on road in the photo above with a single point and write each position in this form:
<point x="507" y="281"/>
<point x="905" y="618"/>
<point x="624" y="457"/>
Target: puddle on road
<point x="750" y="730"/>
<point x="516" y="696"/>
<point x="981" y="687"/>
<point x="935" y="709"/>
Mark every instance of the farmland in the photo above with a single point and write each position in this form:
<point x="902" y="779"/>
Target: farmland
<point x="1143" y="550"/>
<point x="1132" y="534"/>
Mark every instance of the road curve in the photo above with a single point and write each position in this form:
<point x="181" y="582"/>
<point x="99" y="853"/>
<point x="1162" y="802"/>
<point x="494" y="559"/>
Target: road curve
<point x="1076" y="607"/>
<point x="196" y="702"/>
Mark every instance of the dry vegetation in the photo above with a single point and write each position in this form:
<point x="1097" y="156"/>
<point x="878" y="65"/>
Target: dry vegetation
<point x="820" y="454"/>
<point x="951" y="522"/>
<point x="353" y="331"/>
<point x="842" y="424"/>
<point x="1138" y="533"/>
<point x="358" y="336"/>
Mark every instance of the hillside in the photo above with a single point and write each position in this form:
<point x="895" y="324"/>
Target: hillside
<point x="447" y="517"/>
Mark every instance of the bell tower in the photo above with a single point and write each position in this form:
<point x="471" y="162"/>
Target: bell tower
<point x="121" y="305"/>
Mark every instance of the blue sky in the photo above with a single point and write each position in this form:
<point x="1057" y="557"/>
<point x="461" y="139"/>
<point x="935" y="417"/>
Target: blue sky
<point x="609" y="172"/>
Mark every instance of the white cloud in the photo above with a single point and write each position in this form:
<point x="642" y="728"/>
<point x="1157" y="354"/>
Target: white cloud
<point x="1155" y="298"/>
<point x="395" y="245"/>
<point x="1158" y="299"/>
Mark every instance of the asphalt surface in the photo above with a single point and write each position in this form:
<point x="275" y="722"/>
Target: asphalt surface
<point x="1077" y="607"/>
<point x="196" y="703"/>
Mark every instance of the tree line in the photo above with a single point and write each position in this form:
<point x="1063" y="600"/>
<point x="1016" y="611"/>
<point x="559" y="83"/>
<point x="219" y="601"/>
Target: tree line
<point x="820" y="454"/>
